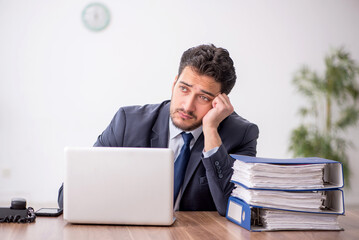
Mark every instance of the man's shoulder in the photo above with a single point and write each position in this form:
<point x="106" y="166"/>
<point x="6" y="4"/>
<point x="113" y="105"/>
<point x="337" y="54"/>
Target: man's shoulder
<point x="234" y="124"/>
<point x="237" y="130"/>
<point x="236" y="120"/>
<point x="147" y="109"/>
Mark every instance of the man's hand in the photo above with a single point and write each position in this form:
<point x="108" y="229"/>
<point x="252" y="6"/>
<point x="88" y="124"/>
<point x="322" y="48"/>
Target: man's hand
<point x="222" y="108"/>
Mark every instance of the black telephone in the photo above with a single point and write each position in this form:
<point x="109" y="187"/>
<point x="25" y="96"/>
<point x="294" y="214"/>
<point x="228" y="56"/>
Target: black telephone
<point x="17" y="212"/>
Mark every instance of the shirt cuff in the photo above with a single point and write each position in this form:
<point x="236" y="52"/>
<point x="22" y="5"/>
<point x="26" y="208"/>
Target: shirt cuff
<point x="210" y="152"/>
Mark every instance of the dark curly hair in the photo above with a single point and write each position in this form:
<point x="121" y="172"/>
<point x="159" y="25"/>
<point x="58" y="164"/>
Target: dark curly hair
<point x="211" y="61"/>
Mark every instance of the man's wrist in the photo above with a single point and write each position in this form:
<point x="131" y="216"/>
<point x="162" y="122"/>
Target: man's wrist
<point x="209" y="130"/>
<point x="210" y="152"/>
<point x="211" y="138"/>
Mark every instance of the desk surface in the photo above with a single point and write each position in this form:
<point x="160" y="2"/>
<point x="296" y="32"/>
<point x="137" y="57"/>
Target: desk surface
<point x="189" y="225"/>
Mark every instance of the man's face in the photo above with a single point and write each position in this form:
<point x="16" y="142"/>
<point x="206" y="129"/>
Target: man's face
<point x="192" y="96"/>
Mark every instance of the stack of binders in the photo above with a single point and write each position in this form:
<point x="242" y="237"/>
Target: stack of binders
<point x="286" y="194"/>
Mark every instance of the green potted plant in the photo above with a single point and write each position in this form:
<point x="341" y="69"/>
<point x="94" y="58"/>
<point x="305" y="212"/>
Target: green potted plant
<point x="331" y="110"/>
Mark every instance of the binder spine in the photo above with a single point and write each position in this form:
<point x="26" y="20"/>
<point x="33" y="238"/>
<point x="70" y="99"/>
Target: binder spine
<point x="241" y="213"/>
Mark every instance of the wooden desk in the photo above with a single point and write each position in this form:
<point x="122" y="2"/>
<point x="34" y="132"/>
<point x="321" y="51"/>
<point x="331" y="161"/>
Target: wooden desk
<point x="189" y="225"/>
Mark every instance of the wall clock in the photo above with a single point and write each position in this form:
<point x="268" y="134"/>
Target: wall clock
<point x="96" y="17"/>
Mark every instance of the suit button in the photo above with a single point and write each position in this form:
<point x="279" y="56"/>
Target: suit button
<point x="218" y="167"/>
<point x="216" y="163"/>
<point x="219" y="171"/>
<point x="220" y="175"/>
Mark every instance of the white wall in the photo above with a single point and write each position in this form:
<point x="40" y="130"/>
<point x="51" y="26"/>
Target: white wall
<point x="60" y="84"/>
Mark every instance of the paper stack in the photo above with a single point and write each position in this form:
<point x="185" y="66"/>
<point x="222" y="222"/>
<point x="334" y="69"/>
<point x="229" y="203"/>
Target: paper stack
<point x="286" y="194"/>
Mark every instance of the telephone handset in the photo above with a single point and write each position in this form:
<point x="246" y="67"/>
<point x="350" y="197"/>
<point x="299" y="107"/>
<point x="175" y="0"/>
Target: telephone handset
<point x="17" y="212"/>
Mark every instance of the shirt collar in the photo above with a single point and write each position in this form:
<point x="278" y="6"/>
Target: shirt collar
<point x="175" y="131"/>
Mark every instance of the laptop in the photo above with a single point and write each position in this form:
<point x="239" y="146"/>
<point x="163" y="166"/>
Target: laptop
<point x="127" y="186"/>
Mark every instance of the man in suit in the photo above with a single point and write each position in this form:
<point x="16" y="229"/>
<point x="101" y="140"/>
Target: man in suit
<point x="199" y="108"/>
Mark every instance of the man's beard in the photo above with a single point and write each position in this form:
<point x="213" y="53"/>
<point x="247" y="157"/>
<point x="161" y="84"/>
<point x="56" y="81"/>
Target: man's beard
<point x="185" y="128"/>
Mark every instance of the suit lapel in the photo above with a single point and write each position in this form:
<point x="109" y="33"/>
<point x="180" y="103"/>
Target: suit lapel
<point x="159" y="137"/>
<point x="194" y="160"/>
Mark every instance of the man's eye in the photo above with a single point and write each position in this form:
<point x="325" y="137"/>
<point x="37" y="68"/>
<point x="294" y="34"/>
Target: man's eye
<point x="204" y="98"/>
<point x="183" y="89"/>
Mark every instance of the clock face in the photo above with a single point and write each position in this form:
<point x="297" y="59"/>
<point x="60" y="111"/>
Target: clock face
<point x="96" y="16"/>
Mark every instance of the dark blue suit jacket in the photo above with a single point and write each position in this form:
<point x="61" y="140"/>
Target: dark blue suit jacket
<point x="206" y="185"/>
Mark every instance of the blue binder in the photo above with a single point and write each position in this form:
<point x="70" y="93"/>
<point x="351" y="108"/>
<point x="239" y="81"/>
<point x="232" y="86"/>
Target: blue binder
<point x="334" y="203"/>
<point x="247" y="216"/>
<point x="333" y="171"/>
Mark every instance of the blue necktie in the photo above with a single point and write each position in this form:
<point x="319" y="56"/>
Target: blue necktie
<point x="181" y="163"/>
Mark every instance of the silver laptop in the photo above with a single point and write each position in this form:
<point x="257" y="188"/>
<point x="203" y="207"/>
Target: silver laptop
<point x="132" y="186"/>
